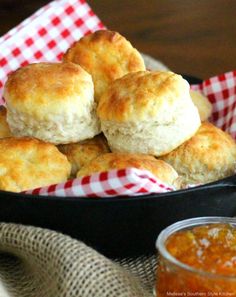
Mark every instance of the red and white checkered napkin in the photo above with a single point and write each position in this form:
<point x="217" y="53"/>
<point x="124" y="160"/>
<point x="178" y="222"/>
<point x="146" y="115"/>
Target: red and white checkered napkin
<point x="46" y="35"/>
<point x="129" y="181"/>
<point x="221" y="92"/>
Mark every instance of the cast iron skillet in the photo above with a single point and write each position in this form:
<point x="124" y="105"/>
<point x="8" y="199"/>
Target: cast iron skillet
<point x="120" y="227"/>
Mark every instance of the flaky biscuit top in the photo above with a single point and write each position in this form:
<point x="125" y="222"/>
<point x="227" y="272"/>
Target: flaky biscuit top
<point x="29" y="163"/>
<point x="106" y="55"/>
<point x="143" y="96"/>
<point x="210" y="144"/>
<point x="209" y="155"/>
<point x="47" y="89"/>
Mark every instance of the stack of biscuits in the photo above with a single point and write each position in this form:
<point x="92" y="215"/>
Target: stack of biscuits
<point x="101" y="109"/>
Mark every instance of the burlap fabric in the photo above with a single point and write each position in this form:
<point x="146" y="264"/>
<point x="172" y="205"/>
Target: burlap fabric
<point x="37" y="262"/>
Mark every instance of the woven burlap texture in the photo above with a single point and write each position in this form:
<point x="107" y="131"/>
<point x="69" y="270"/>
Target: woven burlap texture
<point x="37" y="262"/>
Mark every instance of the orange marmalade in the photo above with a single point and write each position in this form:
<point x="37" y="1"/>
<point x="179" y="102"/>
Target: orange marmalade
<point x="206" y="255"/>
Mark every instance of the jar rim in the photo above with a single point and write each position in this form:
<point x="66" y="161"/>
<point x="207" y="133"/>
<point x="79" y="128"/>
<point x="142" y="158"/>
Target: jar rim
<point x="186" y="224"/>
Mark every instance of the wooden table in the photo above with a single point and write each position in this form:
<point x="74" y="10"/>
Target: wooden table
<point x="196" y="37"/>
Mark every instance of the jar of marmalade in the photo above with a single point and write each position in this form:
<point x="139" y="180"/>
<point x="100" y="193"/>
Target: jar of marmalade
<point x="197" y="257"/>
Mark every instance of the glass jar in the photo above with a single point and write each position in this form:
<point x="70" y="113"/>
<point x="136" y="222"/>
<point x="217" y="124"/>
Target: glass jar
<point x="210" y="270"/>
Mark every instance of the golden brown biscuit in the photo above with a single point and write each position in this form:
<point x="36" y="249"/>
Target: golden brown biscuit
<point x="106" y="55"/>
<point x="109" y="161"/>
<point x="208" y="156"/>
<point x="81" y="153"/>
<point x="53" y="102"/>
<point x="29" y="163"/>
<point x="202" y="103"/>
<point x="148" y="112"/>
<point x="4" y="128"/>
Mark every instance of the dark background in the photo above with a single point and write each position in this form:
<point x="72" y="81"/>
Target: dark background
<point x="196" y="37"/>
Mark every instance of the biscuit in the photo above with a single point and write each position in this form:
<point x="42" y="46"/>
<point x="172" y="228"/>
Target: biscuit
<point x="148" y="112"/>
<point x="109" y="161"/>
<point x="202" y="103"/>
<point x="81" y="153"/>
<point x="208" y="156"/>
<point x="106" y="55"/>
<point x="4" y="128"/>
<point x="53" y="102"/>
<point x="30" y="163"/>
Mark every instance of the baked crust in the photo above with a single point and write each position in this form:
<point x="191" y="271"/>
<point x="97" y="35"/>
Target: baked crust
<point x="203" y="105"/>
<point x="144" y="95"/>
<point x="29" y="163"/>
<point x="81" y="153"/>
<point x="4" y="128"/>
<point x="148" y="112"/>
<point x="53" y="102"/>
<point x="208" y="156"/>
<point x="110" y="161"/>
<point x="106" y="55"/>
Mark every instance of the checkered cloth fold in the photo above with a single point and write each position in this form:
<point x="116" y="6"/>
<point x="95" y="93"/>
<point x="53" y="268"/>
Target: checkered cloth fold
<point x="45" y="36"/>
<point x="124" y="182"/>
<point x="221" y="92"/>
